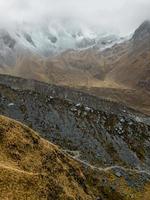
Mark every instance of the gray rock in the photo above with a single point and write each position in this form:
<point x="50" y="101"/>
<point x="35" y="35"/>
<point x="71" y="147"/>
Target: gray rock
<point x="118" y="174"/>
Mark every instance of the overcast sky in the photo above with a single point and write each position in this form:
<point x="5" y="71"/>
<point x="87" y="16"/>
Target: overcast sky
<point x="121" y="15"/>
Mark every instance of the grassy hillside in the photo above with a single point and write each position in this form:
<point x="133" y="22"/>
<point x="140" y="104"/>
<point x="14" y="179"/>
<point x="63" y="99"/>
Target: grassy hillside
<point x="33" y="168"/>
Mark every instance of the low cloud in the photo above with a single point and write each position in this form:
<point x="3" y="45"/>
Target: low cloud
<point x="122" y="16"/>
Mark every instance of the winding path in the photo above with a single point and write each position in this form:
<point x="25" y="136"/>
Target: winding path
<point x="11" y="168"/>
<point x="104" y="169"/>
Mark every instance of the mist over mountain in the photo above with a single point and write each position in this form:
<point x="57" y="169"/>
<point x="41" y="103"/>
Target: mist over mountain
<point x="48" y="27"/>
<point x="54" y="38"/>
<point x="122" y="16"/>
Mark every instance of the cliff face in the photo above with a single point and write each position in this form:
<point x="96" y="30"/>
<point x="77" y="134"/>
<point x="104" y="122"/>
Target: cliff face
<point x="100" y="135"/>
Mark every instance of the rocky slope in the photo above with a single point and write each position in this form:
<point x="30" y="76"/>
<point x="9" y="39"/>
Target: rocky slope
<point x="96" y="118"/>
<point x="99" y="131"/>
<point x="132" y="69"/>
<point x="134" y="98"/>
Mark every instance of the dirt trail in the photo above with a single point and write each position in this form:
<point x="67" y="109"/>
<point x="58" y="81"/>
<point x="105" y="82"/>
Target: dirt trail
<point x="11" y="168"/>
<point x="104" y="169"/>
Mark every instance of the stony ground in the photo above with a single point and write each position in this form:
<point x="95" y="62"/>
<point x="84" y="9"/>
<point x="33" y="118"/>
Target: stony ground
<point x="102" y="136"/>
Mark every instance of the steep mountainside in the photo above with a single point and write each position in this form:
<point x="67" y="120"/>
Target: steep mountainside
<point x="133" y="69"/>
<point x="33" y="168"/>
<point x="133" y="98"/>
<point x="57" y="53"/>
<point x="47" y="40"/>
<point x="71" y="68"/>
<point x="100" y="132"/>
<point x="119" y="73"/>
<point x="93" y="104"/>
<point x="122" y="66"/>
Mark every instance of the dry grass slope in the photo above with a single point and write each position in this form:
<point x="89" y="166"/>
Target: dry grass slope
<point x="32" y="168"/>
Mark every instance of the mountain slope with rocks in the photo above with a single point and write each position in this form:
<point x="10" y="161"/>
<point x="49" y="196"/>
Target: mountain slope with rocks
<point x="123" y="65"/>
<point x="132" y="69"/>
<point x="104" y="133"/>
<point x="103" y="153"/>
<point x="119" y="73"/>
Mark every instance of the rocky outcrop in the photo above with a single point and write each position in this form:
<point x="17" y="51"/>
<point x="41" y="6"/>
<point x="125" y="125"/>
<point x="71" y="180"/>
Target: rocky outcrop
<point x="144" y="84"/>
<point x="141" y="37"/>
<point x="6" y="39"/>
<point x="143" y="32"/>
